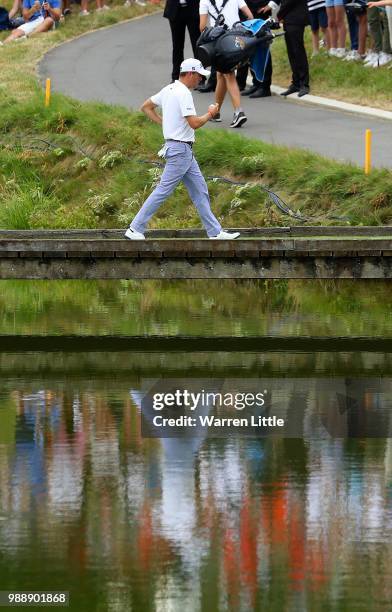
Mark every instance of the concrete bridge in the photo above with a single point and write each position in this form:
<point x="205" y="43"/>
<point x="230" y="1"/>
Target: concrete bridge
<point x="281" y="252"/>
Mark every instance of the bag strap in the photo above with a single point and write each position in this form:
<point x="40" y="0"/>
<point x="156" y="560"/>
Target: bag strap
<point x="218" y="12"/>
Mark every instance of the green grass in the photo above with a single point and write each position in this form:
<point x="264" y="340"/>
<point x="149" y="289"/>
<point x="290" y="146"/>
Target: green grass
<point x="77" y="165"/>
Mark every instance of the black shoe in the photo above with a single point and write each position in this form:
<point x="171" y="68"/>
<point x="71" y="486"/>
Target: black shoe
<point x="250" y="90"/>
<point x="207" y="88"/>
<point x="303" y="91"/>
<point x="260" y="93"/>
<point x="290" y="90"/>
<point x="238" y="120"/>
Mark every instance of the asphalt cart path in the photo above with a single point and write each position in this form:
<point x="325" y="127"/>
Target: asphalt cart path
<point x="129" y="62"/>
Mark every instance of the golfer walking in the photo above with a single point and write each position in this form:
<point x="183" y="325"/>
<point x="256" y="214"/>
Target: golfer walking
<point x="179" y="122"/>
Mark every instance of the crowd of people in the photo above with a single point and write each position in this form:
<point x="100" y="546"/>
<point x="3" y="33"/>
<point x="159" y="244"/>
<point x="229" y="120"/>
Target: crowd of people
<point x="27" y="17"/>
<point x="368" y="24"/>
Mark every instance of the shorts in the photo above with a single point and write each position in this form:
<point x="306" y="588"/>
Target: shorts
<point x="318" y="19"/>
<point x="331" y="3"/>
<point x="30" y="26"/>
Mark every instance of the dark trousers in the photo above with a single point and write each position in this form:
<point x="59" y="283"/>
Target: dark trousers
<point x="184" y="19"/>
<point x="294" y="36"/>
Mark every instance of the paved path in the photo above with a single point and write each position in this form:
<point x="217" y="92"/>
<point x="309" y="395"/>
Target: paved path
<point x="129" y="62"/>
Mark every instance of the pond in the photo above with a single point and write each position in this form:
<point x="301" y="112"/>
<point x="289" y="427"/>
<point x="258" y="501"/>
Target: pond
<point x="89" y="504"/>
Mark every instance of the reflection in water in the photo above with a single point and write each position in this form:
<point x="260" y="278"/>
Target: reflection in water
<point x="128" y="523"/>
<point x="278" y="308"/>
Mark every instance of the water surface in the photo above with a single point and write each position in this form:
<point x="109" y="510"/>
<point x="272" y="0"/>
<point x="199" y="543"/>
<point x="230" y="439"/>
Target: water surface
<point x="129" y="523"/>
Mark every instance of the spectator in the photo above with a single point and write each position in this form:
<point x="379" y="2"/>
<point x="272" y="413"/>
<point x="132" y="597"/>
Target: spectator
<point x="16" y="9"/>
<point x="182" y="15"/>
<point x="229" y="10"/>
<point x="261" y="89"/>
<point x="318" y="20"/>
<point x="353" y="30"/>
<point x="379" y="30"/>
<point x="337" y="27"/>
<point x="9" y="20"/>
<point x="38" y="18"/>
<point x="359" y="13"/>
<point x="295" y="17"/>
<point x="100" y="4"/>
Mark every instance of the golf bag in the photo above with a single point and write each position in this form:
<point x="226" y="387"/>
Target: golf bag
<point x="226" y="49"/>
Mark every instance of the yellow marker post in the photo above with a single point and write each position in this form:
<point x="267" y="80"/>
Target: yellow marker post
<point x="368" y="151"/>
<point x="47" y="92"/>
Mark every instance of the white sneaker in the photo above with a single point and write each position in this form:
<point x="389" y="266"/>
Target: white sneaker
<point x="84" y="13"/>
<point x="132" y="234"/>
<point x="332" y="52"/>
<point x="340" y="53"/>
<point x="384" y="58"/>
<point x="140" y="3"/>
<point x="370" y="57"/>
<point x="353" y="56"/>
<point x="349" y="55"/>
<point x="225" y="236"/>
<point x="373" y="61"/>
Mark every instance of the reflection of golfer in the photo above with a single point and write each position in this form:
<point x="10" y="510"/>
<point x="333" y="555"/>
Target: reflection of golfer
<point x="179" y="120"/>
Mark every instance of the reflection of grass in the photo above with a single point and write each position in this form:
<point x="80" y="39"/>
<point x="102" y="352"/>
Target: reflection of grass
<point x="180" y="307"/>
<point x="84" y="178"/>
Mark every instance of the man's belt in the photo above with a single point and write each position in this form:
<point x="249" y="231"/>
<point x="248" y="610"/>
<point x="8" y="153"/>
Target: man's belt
<point x="188" y="142"/>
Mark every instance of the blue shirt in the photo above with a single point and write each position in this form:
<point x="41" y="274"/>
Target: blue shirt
<point x="27" y="4"/>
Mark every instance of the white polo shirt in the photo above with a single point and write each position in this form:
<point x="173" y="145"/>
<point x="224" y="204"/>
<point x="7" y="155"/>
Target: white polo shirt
<point x="177" y="103"/>
<point x="230" y="11"/>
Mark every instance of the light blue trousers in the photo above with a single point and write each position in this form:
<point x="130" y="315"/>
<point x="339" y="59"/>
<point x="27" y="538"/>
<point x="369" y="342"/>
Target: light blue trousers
<point x="180" y="166"/>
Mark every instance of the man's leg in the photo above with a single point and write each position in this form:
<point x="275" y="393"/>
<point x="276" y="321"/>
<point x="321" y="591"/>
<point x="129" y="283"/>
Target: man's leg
<point x="198" y="191"/>
<point x="18" y="33"/>
<point x="294" y="35"/>
<point x="177" y="164"/>
<point x="177" y="27"/>
<point x="45" y="26"/>
<point x="220" y="90"/>
<point x="192" y="23"/>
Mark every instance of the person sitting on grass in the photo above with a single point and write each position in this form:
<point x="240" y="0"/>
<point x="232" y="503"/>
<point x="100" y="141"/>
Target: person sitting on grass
<point x="16" y="9"/>
<point x="39" y="17"/>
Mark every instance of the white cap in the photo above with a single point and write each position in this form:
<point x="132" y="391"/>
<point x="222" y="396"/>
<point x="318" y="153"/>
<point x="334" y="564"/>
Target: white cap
<point x="194" y="65"/>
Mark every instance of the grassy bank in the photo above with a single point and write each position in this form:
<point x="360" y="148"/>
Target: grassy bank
<point x="338" y="79"/>
<point x="76" y="165"/>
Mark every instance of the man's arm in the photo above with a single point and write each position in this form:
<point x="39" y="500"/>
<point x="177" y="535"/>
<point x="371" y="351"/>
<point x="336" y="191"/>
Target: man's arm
<point x="203" y="22"/>
<point x="54" y="13"/>
<point x="380" y="3"/>
<point x="148" y="108"/>
<point x="246" y="11"/>
<point x="197" y="122"/>
<point x="29" y="12"/>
